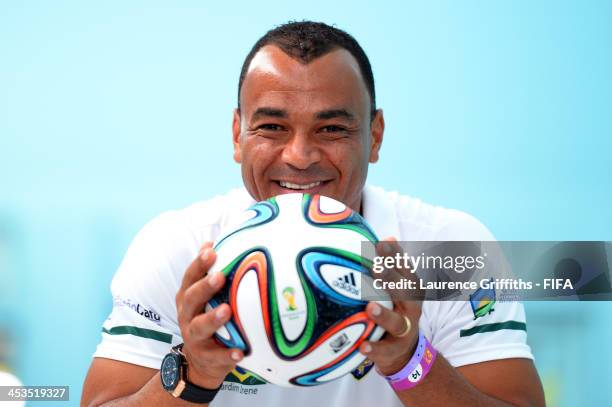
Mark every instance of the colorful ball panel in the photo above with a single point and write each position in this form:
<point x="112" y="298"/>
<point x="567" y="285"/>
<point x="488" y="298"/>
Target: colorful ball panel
<point x="294" y="272"/>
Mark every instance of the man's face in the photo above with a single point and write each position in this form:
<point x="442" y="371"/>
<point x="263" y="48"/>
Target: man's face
<point x="305" y="128"/>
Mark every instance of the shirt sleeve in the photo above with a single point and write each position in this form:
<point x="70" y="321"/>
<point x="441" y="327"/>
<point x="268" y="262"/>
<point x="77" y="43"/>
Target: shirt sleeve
<point x="142" y="325"/>
<point x="464" y="339"/>
<point x="465" y="332"/>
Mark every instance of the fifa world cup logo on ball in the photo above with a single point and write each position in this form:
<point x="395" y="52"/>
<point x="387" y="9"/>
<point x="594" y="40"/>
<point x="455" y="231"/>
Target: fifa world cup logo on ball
<point x="289" y="295"/>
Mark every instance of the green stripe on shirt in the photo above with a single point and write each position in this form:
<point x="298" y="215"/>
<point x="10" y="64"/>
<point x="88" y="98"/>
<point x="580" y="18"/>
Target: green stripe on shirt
<point x="142" y="332"/>
<point x="514" y="325"/>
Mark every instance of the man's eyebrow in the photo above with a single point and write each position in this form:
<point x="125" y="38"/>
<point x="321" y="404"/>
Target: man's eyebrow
<point x="268" y="112"/>
<point x="334" y="113"/>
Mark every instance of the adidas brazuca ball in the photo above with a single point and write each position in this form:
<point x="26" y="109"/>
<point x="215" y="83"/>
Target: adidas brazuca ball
<point x="294" y="273"/>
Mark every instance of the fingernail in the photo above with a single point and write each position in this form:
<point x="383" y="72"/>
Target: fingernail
<point x="216" y="280"/>
<point x="236" y="355"/>
<point x="376" y="310"/>
<point x="221" y="313"/>
<point x="205" y="255"/>
<point x="367" y="348"/>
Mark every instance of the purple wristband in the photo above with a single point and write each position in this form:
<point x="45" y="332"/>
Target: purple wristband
<point x="417" y="367"/>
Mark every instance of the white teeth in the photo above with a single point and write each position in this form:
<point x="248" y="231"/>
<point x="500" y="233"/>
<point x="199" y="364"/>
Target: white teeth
<point x="298" y="186"/>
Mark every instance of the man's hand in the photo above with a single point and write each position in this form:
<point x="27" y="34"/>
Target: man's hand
<point x="391" y="353"/>
<point x="209" y="362"/>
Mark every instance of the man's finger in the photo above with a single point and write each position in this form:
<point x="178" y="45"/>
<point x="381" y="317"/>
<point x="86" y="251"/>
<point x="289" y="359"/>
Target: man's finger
<point x="221" y="357"/>
<point x="394" y="323"/>
<point x="203" y="326"/>
<point x="216" y="359"/>
<point x="384" y="352"/>
<point x="388" y="247"/>
<point x="199" y="294"/>
<point x="400" y="272"/>
<point x="198" y="268"/>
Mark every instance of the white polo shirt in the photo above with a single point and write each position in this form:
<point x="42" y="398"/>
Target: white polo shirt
<point x="142" y="326"/>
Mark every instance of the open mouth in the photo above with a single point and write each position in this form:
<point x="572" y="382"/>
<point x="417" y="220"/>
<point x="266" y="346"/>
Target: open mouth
<point x="290" y="185"/>
<point x="305" y="187"/>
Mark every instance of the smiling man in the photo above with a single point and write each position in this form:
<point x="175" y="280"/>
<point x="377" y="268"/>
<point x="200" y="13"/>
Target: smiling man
<point x="306" y="121"/>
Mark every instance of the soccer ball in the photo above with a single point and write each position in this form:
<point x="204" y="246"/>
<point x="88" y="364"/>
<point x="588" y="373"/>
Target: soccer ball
<point x="294" y="273"/>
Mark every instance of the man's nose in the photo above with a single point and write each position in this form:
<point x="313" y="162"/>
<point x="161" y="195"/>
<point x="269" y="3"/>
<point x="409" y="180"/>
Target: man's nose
<point x="300" y="152"/>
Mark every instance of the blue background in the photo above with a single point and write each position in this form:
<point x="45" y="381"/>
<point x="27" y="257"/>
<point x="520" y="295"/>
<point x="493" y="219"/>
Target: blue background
<point x="111" y="113"/>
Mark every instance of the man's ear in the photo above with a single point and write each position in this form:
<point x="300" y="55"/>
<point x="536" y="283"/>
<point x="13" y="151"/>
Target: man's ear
<point x="236" y="136"/>
<point x="377" y="129"/>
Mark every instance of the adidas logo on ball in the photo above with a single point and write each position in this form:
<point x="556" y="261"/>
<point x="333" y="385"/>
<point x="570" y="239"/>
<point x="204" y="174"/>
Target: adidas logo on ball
<point x="347" y="283"/>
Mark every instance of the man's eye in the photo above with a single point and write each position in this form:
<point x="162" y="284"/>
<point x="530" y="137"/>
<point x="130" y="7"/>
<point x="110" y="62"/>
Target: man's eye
<point x="270" y="127"/>
<point x="333" y="129"/>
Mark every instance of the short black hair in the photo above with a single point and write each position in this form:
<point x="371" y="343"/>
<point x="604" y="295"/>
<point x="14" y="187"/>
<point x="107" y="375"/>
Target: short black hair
<point x="308" y="40"/>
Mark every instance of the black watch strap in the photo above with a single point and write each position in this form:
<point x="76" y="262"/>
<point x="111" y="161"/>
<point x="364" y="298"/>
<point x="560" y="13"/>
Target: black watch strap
<point x="197" y="394"/>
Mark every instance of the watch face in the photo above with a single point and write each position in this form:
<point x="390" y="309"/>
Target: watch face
<point x="170" y="371"/>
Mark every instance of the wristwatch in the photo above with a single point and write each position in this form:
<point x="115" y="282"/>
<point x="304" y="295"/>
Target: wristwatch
<point x="173" y="373"/>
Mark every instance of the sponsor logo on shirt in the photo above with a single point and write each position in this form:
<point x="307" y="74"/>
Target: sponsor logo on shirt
<point x="148" y="313"/>
<point x="482" y="302"/>
<point x="243" y="376"/>
<point x="242" y="381"/>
